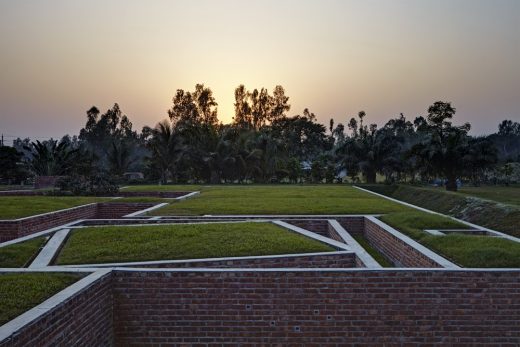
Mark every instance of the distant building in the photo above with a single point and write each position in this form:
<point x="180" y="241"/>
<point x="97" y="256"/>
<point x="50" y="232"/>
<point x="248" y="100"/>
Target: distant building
<point x="133" y="175"/>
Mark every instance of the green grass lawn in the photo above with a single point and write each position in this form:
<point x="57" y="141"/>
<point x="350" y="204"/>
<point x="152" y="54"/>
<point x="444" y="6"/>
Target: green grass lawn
<point x="280" y="199"/>
<point x="126" y="244"/>
<point x="19" y="254"/>
<point x="12" y="207"/>
<point x="20" y="292"/>
<point x="465" y="250"/>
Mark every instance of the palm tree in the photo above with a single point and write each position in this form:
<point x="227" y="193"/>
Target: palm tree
<point x="51" y="158"/>
<point x="120" y="156"/>
<point x="167" y="149"/>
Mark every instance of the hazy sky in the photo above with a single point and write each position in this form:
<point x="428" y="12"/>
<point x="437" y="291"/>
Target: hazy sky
<point x="58" y="58"/>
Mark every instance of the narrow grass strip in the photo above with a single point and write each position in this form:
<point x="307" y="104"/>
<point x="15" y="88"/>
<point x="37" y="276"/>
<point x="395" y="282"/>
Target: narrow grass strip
<point x="20" y="254"/>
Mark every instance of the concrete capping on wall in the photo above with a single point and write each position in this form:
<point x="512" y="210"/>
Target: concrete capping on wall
<point x="47" y="254"/>
<point x="146" y="210"/>
<point x="326" y="240"/>
<point x="414" y="244"/>
<point x="189" y="195"/>
<point x="363" y="255"/>
<point x="18" y="323"/>
<point x="475" y="226"/>
<point x="201" y="260"/>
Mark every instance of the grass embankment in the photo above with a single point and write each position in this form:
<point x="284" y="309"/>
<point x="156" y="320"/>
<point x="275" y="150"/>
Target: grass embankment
<point x="146" y="243"/>
<point x="380" y="258"/>
<point x="19" y="254"/>
<point x="506" y="195"/>
<point x="12" y="207"/>
<point x="22" y="291"/>
<point x="280" y="199"/>
<point x="465" y="250"/>
<point x="490" y="214"/>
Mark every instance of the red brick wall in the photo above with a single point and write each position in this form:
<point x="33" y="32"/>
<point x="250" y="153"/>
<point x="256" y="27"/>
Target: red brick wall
<point x="119" y="209"/>
<point x="347" y="260"/>
<point x="83" y="320"/>
<point x="317" y="308"/>
<point x="17" y="228"/>
<point x="354" y="225"/>
<point x="153" y="194"/>
<point x="319" y="226"/>
<point x="321" y="308"/>
<point x="399" y="252"/>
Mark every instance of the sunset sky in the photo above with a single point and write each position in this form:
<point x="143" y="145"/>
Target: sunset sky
<point x="58" y="58"/>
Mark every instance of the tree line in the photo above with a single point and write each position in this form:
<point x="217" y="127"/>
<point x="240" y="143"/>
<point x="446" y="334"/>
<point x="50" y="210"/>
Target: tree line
<point x="263" y="144"/>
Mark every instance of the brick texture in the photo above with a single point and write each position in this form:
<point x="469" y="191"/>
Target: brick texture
<point x="319" y="226"/>
<point x="108" y="210"/>
<point x="394" y="249"/>
<point x="311" y="308"/>
<point x="11" y="229"/>
<point x="83" y="320"/>
<point x="317" y="308"/>
<point x="345" y="260"/>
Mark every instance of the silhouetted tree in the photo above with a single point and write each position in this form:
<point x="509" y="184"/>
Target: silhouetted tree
<point x="444" y="145"/>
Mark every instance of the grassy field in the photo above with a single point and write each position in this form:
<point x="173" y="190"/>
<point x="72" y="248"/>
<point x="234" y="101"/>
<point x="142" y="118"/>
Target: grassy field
<point x="18" y="254"/>
<point x="21" y="292"/>
<point x="12" y="207"/>
<point x="280" y="199"/>
<point x="126" y="244"/>
<point x="465" y="250"/>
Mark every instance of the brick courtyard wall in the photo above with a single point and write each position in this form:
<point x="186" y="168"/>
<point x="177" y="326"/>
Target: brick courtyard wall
<point x="355" y="225"/>
<point x="85" y="319"/>
<point x="396" y="250"/>
<point x="317" y="307"/>
<point x="333" y="260"/>
<point x="170" y="195"/>
<point x="107" y="210"/>
<point x="319" y="226"/>
<point x="11" y="229"/>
